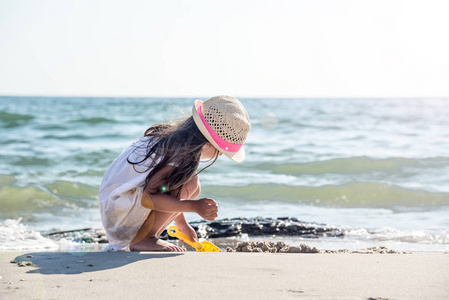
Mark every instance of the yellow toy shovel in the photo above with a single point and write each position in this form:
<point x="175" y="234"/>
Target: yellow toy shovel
<point x="200" y="247"/>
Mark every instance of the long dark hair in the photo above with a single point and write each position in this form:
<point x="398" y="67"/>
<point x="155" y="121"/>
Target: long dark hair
<point x="177" y="143"/>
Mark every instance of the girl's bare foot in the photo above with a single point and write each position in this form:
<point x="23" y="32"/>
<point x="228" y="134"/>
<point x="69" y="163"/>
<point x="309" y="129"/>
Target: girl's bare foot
<point x="152" y="243"/>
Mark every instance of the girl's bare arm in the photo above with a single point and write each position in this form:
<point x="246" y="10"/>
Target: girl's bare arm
<point x="207" y="208"/>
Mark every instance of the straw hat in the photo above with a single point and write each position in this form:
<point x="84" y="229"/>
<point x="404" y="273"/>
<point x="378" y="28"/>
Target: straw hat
<point x="225" y="123"/>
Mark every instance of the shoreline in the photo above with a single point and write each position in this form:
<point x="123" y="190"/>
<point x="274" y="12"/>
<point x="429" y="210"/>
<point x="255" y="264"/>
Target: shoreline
<point x="80" y="275"/>
<point x="225" y="233"/>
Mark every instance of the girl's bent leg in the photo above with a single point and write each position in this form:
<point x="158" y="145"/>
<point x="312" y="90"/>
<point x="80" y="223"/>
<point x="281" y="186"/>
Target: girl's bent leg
<point x="147" y="236"/>
<point x="168" y="222"/>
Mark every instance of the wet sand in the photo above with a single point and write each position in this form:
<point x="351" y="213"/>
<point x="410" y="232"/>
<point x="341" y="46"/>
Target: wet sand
<point x="95" y="275"/>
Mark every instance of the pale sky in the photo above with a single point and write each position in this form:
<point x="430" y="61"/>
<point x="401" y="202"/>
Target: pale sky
<point x="201" y="48"/>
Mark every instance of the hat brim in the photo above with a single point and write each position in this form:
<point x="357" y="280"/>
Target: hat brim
<point x="235" y="156"/>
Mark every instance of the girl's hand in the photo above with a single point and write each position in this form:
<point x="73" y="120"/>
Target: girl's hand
<point x="187" y="230"/>
<point x="207" y="208"/>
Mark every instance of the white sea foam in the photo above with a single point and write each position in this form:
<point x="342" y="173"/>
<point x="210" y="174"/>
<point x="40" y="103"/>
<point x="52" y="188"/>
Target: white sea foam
<point x="15" y="236"/>
<point x="434" y="237"/>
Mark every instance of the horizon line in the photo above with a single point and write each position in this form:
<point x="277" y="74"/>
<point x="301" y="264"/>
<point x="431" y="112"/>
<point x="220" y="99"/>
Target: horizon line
<point x="240" y="97"/>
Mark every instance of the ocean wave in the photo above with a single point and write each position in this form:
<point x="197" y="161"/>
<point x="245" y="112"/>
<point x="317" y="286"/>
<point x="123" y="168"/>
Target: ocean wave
<point x="95" y="120"/>
<point x="66" y="137"/>
<point x="6" y="180"/>
<point x="7" y="117"/>
<point x="18" y="201"/>
<point x="88" y="173"/>
<point x="51" y="127"/>
<point x="17" y="236"/>
<point x="8" y="120"/>
<point x="424" y="236"/>
<point x="352" y="194"/>
<point x="73" y="190"/>
<point x="82" y="137"/>
<point x="94" y="158"/>
<point x="29" y="161"/>
<point x="355" y="165"/>
<point x="29" y="201"/>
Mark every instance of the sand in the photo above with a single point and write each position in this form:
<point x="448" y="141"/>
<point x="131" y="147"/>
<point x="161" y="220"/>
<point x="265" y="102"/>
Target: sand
<point x="282" y="247"/>
<point x="95" y="275"/>
<point x="271" y="247"/>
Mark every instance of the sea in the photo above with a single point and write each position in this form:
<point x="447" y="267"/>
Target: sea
<point x="376" y="168"/>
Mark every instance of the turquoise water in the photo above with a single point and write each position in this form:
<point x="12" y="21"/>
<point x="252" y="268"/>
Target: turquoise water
<point x="378" y="168"/>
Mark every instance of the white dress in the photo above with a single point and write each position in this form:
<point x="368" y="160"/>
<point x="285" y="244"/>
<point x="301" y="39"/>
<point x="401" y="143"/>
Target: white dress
<point x="122" y="213"/>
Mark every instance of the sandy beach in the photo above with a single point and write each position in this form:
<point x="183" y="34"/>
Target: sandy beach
<point x="95" y="275"/>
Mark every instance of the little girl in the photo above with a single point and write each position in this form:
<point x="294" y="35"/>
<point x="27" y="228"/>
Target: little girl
<point x="154" y="181"/>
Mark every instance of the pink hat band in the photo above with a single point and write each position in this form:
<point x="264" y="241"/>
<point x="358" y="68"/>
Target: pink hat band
<point x="227" y="146"/>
